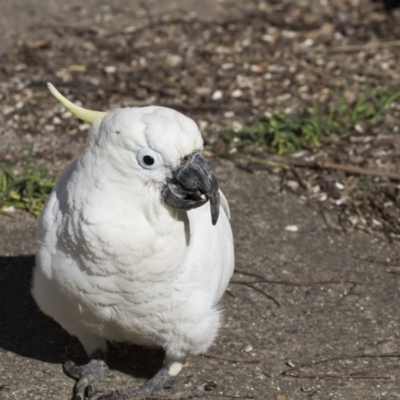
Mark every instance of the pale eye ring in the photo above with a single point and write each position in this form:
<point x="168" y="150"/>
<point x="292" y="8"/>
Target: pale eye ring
<point x="148" y="158"/>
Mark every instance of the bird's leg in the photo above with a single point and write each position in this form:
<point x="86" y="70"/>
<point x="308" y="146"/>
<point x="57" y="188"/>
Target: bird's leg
<point x="160" y="386"/>
<point x="88" y="376"/>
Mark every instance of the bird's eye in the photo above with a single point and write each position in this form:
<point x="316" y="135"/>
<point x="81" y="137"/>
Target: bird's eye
<point x="149" y="158"/>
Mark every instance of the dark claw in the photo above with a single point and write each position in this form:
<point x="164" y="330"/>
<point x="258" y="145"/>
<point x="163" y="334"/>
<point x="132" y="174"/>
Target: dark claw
<point x="106" y="395"/>
<point x="71" y="369"/>
<point x="90" y="391"/>
<point x="209" y="385"/>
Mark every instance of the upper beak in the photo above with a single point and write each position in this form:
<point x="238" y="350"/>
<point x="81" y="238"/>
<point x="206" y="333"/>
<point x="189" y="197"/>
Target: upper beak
<point x="192" y="184"/>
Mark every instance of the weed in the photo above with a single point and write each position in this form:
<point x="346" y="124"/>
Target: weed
<point x="27" y="190"/>
<point x="288" y="133"/>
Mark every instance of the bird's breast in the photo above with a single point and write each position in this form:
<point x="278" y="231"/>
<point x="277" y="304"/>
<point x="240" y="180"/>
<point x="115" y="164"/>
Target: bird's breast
<point x="129" y="244"/>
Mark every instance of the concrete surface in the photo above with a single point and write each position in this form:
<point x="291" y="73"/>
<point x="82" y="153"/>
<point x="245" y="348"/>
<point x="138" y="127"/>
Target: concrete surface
<point x="313" y="322"/>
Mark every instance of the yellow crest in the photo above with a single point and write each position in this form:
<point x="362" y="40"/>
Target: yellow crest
<point x="79" y="112"/>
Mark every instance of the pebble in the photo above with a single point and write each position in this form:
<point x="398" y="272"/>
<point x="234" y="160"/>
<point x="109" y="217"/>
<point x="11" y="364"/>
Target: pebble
<point x="110" y="69"/>
<point x="237" y="93"/>
<point x="217" y="95"/>
<point x="291" y="228"/>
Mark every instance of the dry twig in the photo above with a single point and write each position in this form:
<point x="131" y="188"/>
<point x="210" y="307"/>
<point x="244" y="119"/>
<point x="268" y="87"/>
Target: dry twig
<point x="261" y="279"/>
<point x="349" y="169"/>
<point x="364" y="46"/>
<point x="251" y="286"/>
<point x="393" y="271"/>
<point x="295" y="373"/>
<point x="234" y="360"/>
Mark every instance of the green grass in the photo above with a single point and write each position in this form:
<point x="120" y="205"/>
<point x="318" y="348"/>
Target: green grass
<point x="27" y="190"/>
<point x="288" y="133"/>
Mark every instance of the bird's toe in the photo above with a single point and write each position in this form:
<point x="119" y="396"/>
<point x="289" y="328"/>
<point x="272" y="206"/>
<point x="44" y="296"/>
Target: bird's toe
<point x="71" y="369"/>
<point x="88" y="377"/>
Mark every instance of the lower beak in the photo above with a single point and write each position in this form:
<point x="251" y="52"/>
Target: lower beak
<point x="192" y="184"/>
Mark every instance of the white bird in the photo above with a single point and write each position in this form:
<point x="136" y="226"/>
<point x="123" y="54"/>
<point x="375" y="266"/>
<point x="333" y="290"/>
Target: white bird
<point x="132" y="246"/>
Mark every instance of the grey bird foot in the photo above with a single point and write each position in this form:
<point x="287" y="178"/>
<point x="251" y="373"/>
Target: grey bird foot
<point x="150" y="392"/>
<point x="88" y="377"/>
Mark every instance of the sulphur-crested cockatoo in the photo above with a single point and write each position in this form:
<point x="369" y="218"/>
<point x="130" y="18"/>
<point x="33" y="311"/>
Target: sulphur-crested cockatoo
<point x="135" y="245"/>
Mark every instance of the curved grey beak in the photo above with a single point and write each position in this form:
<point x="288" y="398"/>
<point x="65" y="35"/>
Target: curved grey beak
<point x="191" y="185"/>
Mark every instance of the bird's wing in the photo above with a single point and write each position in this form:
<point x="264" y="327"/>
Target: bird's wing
<point x="55" y="205"/>
<point x="210" y="259"/>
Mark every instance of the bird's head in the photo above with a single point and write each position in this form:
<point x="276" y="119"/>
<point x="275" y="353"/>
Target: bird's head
<point x="159" y="146"/>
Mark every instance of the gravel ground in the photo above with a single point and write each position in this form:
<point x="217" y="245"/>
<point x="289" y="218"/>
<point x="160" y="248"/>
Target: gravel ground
<point x="223" y="63"/>
<point x="331" y="293"/>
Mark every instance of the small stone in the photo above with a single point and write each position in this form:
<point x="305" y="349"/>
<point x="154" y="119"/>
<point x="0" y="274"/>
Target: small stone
<point x="290" y="364"/>
<point x="72" y="131"/>
<point x="20" y="67"/>
<point x="248" y="348"/>
<point x="217" y="95"/>
<point x="84" y="127"/>
<point x="110" y="69"/>
<point x="268" y="38"/>
<point x="376" y="222"/>
<point x="293" y="185"/>
<point x="289" y="34"/>
<point x="130" y="29"/>
<point x="307" y="43"/>
<point x="237" y="93"/>
<point x="174" y="60"/>
<point x="236" y="126"/>
<point x="202" y="124"/>
<point x="291" y="228"/>
<point x="243" y="81"/>
<point x="306" y="389"/>
<point x="256" y="68"/>
<point x="359" y="128"/>
<point x="202" y="91"/>
<point x="321" y="197"/>
<point x="66" y="114"/>
<point x="49" y="128"/>
<point x="227" y="66"/>
<point x="8" y="110"/>
<point x="77" y="68"/>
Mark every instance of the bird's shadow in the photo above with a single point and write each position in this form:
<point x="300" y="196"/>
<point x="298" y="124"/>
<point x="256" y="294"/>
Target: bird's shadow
<point x="26" y="331"/>
<point x="389" y="5"/>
